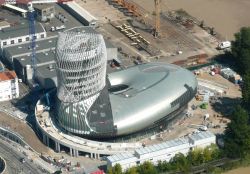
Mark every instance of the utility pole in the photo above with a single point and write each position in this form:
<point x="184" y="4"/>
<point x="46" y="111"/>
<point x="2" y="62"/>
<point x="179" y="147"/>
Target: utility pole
<point x="157" y="18"/>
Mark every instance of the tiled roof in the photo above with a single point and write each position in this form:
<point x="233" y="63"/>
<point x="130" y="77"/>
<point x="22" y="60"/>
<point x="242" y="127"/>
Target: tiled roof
<point x="7" y="75"/>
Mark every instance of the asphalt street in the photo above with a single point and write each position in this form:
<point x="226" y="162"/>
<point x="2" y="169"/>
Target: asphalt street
<point x="13" y="160"/>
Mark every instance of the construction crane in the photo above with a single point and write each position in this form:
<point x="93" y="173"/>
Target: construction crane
<point x="32" y="30"/>
<point x="157" y="18"/>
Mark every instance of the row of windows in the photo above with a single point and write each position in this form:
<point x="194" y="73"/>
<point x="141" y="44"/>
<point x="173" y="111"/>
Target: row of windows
<point x="21" y="40"/>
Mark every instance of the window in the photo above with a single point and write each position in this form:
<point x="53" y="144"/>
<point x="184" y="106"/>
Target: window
<point x="12" y="42"/>
<point x="19" y="40"/>
<point x="42" y="35"/>
<point x="27" y="39"/>
<point x="5" y="43"/>
<point x="35" y="37"/>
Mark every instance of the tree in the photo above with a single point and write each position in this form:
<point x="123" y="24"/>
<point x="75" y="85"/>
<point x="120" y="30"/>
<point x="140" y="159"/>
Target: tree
<point x="237" y="134"/>
<point x="110" y="170"/>
<point x="246" y="90"/>
<point x="164" y="166"/>
<point x="241" y="50"/>
<point x="207" y="154"/>
<point x="147" y="168"/>
<point x="181" y="163"/>
<point x="132" y="170"/>
<point x="117" y="169"/>
<point x="216" y="152"/>
<point x="195" y="157"/>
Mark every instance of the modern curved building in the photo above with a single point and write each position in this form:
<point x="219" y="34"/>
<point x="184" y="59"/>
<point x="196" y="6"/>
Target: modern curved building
<point x="81" y="60"/>
<point x="144" y="95"/>
<point x="90" y="103"/>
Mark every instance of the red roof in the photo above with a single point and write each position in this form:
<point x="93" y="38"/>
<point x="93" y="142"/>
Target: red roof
<point x="7" y="75"/>
<point x="98" y="172"/>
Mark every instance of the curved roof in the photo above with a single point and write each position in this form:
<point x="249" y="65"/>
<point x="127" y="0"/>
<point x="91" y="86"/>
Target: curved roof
<point x="154" y="91"/>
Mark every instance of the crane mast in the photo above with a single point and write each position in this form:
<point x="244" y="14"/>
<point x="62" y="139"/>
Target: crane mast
<point x="157" y="17"/>
<point x="32" y="34"/>
<point x="32" y="31"/>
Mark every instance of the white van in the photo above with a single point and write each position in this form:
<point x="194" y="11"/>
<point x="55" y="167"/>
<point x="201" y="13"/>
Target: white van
<point x="224" y="45"/>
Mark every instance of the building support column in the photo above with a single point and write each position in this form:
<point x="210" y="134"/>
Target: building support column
<point x="44" y="139"/>
<point x="70" y="150"/>
<point x="58" y="148"/>
<point x="75" y="153"/>
<point x="97" y="156"/>
<point x="47" y="139"/>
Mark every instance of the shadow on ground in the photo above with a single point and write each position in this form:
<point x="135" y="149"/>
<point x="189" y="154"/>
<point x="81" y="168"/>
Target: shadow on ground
<point x="225" y="105"/>
<point x="26" y="104"/>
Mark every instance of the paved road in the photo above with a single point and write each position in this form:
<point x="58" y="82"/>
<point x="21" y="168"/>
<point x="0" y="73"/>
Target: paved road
<point x="12" y="159"/>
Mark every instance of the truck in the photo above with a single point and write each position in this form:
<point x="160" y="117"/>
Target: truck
<point x="57" y="28"/>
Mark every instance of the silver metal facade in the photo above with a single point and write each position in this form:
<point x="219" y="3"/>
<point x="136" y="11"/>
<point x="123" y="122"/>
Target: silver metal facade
<point x="155" y="91"/>
<point x="81" y="65"/>
<point x="81" y="72"/>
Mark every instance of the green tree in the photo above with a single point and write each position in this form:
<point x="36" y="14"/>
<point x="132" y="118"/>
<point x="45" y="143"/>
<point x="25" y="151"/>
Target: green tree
<point x="110" y="170"/>
<point x="196" y="157"/>
<point x="147" y="168"/>
<point x="181" y="163"/>
<point x="132" y="170"/>
<point x="237" y="134"/>
<point x="216" y="152"/>
<point x="207" y="154"/>
<point x="246" y="90"/>
<point x="241" y="50"/>
<point x="117" y="169"/>
<point x="164" y="166"/>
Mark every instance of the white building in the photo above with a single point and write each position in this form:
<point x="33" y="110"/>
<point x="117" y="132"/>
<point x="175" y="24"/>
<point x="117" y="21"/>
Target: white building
<point x="9" y="88"/>
<point x="126" y="160"/>
<point x="163" y="151"/>
<point x="19" y="33"/>
<point x="202" y="139"/>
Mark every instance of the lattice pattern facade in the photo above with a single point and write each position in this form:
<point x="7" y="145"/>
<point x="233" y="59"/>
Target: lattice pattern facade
<point x="81" y="60"/>
<point x="81" y="65"/>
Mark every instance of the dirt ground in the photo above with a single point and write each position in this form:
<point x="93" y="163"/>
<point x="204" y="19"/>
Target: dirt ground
<point x="25" y="131"/>
<point x="241" y="170"/>
<point x="216" y="110"/>
<point x="226" y="16"/>
<point x="103" y="11"/>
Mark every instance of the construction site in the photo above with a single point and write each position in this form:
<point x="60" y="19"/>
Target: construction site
<point x="159" y="36"/>
<point x="133" y="35"/>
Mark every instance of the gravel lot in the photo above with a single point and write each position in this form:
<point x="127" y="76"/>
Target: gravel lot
<point x="226" y="16"/>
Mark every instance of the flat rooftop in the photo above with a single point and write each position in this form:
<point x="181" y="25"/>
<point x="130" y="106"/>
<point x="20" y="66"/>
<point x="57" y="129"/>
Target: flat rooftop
<point x="20" y="28"/>
<point x="45" y="72"/>
<point x="41" y="59"/>
<point x="43" y="6"/>
<point x="20" y="50"/>
<point x="121" y="156"/>
<point x="162" y="146"/>
<point x="201" y="135"/>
